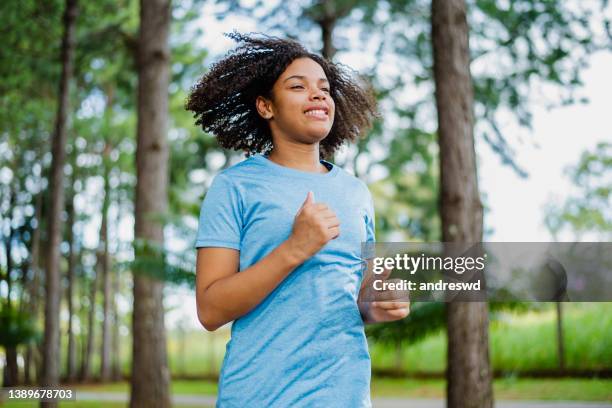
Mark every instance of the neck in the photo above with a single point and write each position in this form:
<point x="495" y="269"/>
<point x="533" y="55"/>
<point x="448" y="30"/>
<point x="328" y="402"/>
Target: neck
<point x="299" y="157"/>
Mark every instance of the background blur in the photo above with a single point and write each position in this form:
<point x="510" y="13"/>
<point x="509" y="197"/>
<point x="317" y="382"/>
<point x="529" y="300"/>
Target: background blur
<point x="542" y="135"/>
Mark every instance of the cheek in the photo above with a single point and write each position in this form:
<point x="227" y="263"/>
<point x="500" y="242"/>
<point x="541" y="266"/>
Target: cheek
<point x="292" y="106"/>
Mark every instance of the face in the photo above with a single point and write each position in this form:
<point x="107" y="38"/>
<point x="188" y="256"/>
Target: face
<point x="302" y="108"/>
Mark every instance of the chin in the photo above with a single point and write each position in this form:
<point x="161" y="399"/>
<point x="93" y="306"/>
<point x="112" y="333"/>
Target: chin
<point x="318" y="133"/>
<point x="317" y="137"/>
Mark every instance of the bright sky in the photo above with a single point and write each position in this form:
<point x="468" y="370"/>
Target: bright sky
<point x="562" y="135"/>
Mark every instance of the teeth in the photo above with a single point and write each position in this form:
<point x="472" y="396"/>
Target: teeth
<point x="316" y="112"/>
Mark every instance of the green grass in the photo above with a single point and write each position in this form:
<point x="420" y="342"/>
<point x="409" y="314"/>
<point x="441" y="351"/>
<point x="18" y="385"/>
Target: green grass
<point x="81" y="404"/>
<point x="517" y="342"/>
<point x="68" y="404"/>
<point x="503" y="389"/>
<point x="520" y="342"/>
<point x="195" y="387"/>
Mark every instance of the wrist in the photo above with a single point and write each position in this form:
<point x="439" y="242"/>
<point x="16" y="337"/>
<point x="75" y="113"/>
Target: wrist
<point x="292" y="253"/>
<point x="364" y="310"/>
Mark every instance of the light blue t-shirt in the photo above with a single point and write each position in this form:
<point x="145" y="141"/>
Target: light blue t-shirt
<point x="304" y="344"/>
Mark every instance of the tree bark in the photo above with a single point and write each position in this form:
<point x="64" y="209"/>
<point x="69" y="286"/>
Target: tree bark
<point x="51" y="350"/>
<point x="91" y="325"/>
<point x="30" y="370"/>
<point x="71" y="368"/>
<point x="11" y="371"/>
<point x="106" y="278"/>
<point x="468" y="372"/>
<point x="115" y="347"/>
<point x="150" y="375"/>
<point x="327" y="32"/>
<point x="560" y="340"/>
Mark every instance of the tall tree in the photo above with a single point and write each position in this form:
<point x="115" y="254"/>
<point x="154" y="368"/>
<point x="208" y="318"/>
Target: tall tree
<point x="468" y="371"/>
<point x="105" y="370"/>
<point x="150" y="374"/>
<point x="91" y="319"/>
<point x="71" y="367"/>
<point x="51" y="351"/>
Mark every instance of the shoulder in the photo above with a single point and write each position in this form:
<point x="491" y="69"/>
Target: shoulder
<point x="234" y="174"/>
<point x="356" y="184"/>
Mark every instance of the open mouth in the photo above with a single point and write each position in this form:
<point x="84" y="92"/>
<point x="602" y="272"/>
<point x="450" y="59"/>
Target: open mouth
<point x="316" y="113"/>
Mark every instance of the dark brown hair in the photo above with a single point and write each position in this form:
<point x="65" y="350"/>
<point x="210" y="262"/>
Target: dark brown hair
<point x="223" y="100"/>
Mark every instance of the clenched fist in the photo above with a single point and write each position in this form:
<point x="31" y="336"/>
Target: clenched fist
<point x="314" y="225"/>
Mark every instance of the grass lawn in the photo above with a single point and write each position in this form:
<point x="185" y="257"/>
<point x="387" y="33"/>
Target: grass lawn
<point x="504" y="389"/>
<point x="520" y="342"/>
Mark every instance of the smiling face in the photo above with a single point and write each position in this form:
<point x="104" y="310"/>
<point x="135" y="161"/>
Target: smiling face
<point x="301" y="108"/>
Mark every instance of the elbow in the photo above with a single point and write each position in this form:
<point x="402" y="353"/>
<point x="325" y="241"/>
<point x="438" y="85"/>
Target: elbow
<point x="211" y="327"/>
<point x="208" y="324"/>
<point x="207" y="321"/>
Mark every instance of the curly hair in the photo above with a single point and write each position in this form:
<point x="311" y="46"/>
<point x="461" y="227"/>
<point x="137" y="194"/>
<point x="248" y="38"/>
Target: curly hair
<point x="223" y="100"/>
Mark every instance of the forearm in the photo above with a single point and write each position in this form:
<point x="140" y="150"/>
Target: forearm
<point x="232" y="297"/>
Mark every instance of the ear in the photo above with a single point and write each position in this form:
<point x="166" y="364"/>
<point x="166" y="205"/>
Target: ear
<point x="264" y="107"/>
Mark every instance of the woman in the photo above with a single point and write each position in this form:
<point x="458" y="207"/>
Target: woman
<point x="280" y="233"/>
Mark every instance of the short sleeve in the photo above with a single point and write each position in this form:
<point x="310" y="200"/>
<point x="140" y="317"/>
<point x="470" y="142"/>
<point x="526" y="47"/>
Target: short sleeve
<point x="220" y="223"/>
<point x="370" y="224"/>
<point x="368" y="247"/>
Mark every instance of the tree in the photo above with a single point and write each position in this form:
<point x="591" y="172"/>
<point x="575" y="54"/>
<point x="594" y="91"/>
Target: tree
<point x="468" y="371"/>
<point x="585" y="212"/>
<point x="51" y="353"/>
<point x="150" y="375"/>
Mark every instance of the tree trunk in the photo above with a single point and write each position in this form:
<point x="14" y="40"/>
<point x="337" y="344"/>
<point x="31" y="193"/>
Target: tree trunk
<point x="71" y="369"/>
<point x="30" y="370"/>
<point x="11" y="371"/>
<point x="150" y="376"/>
<point x="115" y="347"/>
<point x="91" y="326"/>
<point x="327" y="32"/>
<point x="468" y="372"/>
<point x="51" y="351"/>
<point x="560" y="342"/>
<point x="106" y="281"/>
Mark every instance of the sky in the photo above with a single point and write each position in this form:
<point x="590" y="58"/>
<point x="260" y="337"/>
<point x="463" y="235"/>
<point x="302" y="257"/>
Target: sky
<point x="556" y="141"/>
<point x="562" y="134"/>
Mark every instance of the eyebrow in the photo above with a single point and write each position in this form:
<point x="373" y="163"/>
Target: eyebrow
<point x="303" y="77"/>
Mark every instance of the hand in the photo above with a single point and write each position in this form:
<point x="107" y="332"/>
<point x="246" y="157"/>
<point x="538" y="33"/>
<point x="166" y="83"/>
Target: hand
<point x="314" y="225"/>
<point x="384" y="305"/>
<point x="388" y="311"/>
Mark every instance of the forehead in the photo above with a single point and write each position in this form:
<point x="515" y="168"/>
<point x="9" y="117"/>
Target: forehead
<point x="305" y="67"/>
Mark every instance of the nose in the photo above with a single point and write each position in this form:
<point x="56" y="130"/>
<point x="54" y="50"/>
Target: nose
<point x="318" y="94"/>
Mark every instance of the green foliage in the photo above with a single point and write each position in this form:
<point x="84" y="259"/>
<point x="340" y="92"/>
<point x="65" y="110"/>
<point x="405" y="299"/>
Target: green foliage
<point x="518" y="341"/>
<point x="427" y="318"/>
<point x="589" y="209"/>
<point x="16" y="328"/>
<point x="153" y="260"/>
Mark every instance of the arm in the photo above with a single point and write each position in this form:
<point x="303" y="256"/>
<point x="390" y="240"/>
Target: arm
<point x="223" y="294"/>
<point x="379" y="311"/>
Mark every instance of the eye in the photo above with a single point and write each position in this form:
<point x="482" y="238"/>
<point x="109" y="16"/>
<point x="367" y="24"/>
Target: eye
<point x="297" y="86"/>
<point x="325" y="89"/>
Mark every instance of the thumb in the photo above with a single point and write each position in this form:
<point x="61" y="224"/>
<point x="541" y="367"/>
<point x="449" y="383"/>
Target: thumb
<point x="309" y="198"/>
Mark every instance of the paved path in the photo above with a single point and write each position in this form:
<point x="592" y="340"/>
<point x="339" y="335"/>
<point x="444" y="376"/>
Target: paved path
<point x="209" y="401"/>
